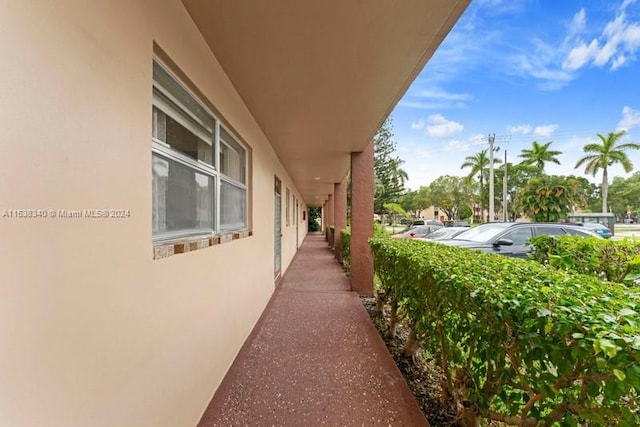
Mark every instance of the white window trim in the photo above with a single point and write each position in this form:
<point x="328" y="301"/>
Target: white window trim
<point x="162" y="149"/>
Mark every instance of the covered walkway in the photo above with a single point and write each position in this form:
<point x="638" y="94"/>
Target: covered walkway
<point x="314" y="358"/>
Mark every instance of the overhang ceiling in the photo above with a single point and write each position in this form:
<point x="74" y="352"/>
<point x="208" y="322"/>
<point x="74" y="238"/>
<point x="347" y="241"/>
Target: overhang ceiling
<point x="320" y="76"/>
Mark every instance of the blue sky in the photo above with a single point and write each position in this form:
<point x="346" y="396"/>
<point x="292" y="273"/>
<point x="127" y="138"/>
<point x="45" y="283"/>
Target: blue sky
<point x="544" y="70"/>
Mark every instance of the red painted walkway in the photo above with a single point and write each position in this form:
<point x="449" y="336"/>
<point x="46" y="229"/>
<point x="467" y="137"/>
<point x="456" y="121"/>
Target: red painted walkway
<point x="315" y="358"/>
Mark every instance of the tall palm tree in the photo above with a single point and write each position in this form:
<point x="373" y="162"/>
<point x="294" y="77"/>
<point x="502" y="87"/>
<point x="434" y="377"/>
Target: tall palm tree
<point x="539" y="154"/>
<point x="604" y="154"/>
<point x="479" y="164"/>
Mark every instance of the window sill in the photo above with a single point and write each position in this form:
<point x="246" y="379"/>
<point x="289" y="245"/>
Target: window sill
<point x="184" y="245"/>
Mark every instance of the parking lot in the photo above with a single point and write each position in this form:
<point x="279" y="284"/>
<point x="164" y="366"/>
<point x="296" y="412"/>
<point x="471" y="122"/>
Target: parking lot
<point x="626" y="230"/>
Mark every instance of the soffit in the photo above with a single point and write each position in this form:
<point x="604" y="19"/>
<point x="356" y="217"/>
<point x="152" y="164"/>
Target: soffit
<point x="320" y="76"/>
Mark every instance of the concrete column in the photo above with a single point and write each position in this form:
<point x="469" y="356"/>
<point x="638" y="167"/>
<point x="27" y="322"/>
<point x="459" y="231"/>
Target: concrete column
<point x="323" y="228"/>
<point x="362" y="221"/>
<point x="340" y="214"/>
<point x="330" y="218"/>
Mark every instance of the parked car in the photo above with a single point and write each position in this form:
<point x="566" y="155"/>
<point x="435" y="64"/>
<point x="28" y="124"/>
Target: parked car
<point x="418" y="222"/>
<point x="427" y="222"/>
<point x="445" y="233"/>
<point x="418" y="232"/>
<point x="456" y="223"/>
<point x="597" y="228"/>
<point x="512" y="238"/>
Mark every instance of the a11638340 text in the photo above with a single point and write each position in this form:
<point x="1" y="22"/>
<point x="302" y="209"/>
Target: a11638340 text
<point x="65" y="213"/>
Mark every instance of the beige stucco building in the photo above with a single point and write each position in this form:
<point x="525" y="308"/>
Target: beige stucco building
<point x="142" y="141"/>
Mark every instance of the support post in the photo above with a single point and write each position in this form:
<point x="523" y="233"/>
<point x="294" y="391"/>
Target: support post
<point x="331" y="219"/>
<point x="362" y="221"/>
<point x="340" y="213"/>
<point x="324" y="221"/>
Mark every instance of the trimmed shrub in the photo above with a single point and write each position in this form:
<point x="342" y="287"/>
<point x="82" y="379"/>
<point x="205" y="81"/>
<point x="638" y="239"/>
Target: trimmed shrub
<point x="345" y="242"/>
<point x="613" y="260"/>
<point x="517" y="342"/>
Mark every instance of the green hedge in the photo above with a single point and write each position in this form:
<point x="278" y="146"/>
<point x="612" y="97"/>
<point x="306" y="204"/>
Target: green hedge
<point x="345" y="250"/>
<point x="517" y="342"/>
<point x="613" y="260"/>
<point x="330" y="234"/>
<point x="345" y="242"/>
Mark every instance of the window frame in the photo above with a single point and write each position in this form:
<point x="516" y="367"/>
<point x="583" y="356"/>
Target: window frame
<point x="164" y="150"/>
<point x="517" y="230"/>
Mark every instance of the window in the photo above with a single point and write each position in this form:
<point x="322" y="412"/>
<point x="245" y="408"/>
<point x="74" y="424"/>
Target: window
<point x="574" y="232"/>
<point x="519" y="236"/>
<point x="194" y="190"/>
<point x="549" y="231"/>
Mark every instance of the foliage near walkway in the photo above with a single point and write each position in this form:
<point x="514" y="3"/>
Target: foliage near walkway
<point x="345" y="241"/>
<point x="517" y="342"/>
<point x="613" y="260"/>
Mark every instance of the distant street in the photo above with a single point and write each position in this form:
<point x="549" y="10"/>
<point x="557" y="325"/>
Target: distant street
<point x="626" y="230"/>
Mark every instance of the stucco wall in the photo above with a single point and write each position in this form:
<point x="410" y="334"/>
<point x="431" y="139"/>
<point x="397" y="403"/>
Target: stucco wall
<point x="93" y="331"/>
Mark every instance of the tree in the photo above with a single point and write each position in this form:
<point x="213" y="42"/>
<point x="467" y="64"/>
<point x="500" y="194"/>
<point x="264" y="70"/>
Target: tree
<point x="465" y="212"/>
<point x="590" y="193"/>
<point x="624" y="195"/>
<point x="414" y="202"/>
<point x="479" y="165"/>
<point x="539" y="154"/>
<point x="604" y="154"/>
<point x="450" y="194"/>
<point x="389" y="176"/>
<point x="517" y="177"/>
<point x="315" y="213"/>
<point x="394" y="210"/>
<point x="549" y="198"/>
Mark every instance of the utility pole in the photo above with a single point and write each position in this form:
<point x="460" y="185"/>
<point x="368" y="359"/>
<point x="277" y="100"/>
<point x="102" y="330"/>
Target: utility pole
<point x="492" y="139"/>
<point x="505" y="214"/>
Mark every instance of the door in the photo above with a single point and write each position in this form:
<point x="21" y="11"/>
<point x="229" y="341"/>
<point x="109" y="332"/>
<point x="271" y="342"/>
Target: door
<point x="520" y="247"/>
<point x="297" y="220"/>
<point x="277" y="229"/>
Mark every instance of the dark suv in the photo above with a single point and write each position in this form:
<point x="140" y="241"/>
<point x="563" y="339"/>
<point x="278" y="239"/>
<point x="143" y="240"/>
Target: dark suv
<point x="512" y="238"/>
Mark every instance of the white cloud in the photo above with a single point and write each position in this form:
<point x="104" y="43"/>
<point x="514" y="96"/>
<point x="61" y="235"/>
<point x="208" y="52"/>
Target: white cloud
<point x="435" y="98"/>
<point x="630" y="119"/>
<point x="426" y="105"/>
<point x="456" y="146"/>
<point x="423" y="152"/>
<point x="437" y="93"/>
<point x="541" y="65"/>
<point x="618" y="62"/>
<point x="574" y="145"/>
<point x="578" y="23"/>
<point x="545" y="130"/>
<point x="439" y="127"/>
<point x="523" y="129"/>
<point x="417" y="125"/>
<point x="555" y="63"/>
<point x="618" y="42"/>
<point x="580" y="55"/>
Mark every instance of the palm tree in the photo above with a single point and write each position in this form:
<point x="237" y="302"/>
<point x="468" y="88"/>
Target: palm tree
<point x="479" y="164"/>
<point x="604" y="154"/>
<point x="539" y="154"/>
